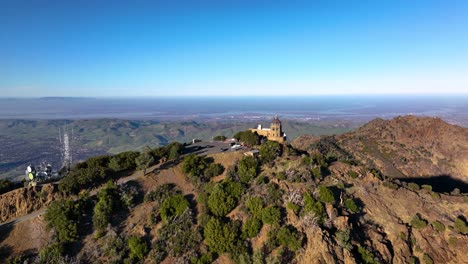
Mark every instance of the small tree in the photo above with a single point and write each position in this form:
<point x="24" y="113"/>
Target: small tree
<point x="220" y="237"/>
<point x="144" y="160"/>
<point x="270" y="150"/>
<point x="271" y="215"/>
<point x="247" y="169"/>
<point x="173" y="206"/>
<point x="251" y="227"/>
<point x="325" y="194"/>
<point x="138" y="248"/>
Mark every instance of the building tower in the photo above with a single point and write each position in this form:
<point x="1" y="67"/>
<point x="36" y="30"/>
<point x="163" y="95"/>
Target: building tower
<point x="276" y="128"/>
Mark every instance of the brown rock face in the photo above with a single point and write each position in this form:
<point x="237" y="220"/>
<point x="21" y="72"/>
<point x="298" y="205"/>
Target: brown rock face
<point x="25" y="200"/>
<point x="411" y="146"/>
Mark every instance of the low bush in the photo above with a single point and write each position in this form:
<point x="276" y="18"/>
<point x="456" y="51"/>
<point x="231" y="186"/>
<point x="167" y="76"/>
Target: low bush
<point x="461" y="226"/>
<point x="353" y="174"/>
<point x="427" y="259"/>
<point x="271" y="215"/>
<point x="390" y="185"/>
<point x="367" y="256"/>
<point x="351" y="205"/>
<point x="64" y="215"/>
<point x="427" y="187"/>
<point x="51" y="254"/>
<point x="325" y="195"/>
<point x="254" y="205"/>
<point x="418" y="222"/>
<point x="247" y="169"/>
<point x="221" y="237"/>
<point x="138" y="248"/>
<point x="438" y="226"/>
<point x="251" y="227"/>
<point x="214" y="169"/>
<point x="413" y="186"/>
<point x="286" y="236"/>
<point x="173" y="206"/>
<point x="311" y="205"/>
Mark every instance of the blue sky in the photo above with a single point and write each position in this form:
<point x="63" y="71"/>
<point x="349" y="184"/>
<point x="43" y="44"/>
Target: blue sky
<point x="172" y="48"/>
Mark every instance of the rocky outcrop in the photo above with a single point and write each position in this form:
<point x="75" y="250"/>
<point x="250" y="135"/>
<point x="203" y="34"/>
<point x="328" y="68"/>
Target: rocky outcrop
<point x="26" y="200"/>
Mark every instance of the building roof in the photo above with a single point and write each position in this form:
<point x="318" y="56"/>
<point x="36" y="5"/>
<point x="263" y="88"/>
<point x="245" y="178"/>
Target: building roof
<point x="276" y="121"/>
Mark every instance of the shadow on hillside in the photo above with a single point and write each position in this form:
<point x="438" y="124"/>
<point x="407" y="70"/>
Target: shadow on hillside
<point x="441" y="183"/>
<point x="5" y="230"/>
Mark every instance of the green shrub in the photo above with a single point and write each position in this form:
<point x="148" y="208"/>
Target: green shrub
<point x="123" y="161"/>
<point x="413" y="186"/>
<point x="427" y="187"/>
<point x="435" y="195"/>
<point x="274" y="193"/>
<point x="247" y="169"/>
<point x="367" y="256"/>
<point x="351" y="205"/>
<point x="220" y="201"/>
<point x="6" y="186"/>
<point x="51" y="254"/>
<point x="310" y="205"/>
<point x="390" y="185"/>
<point x="63" y="216"/>
<point x="261" y="180"/>
<point x="219" y="138"/>
<point x="438" y="226"/>
<point x="427" y="259"/>
<point x="461" y="226"/>
<point x="271" y="215"/>
<point x="294" y="207"/>
<point x="194" y="165"/>
<point x="452" y="241"/>
<point x="418" y="222"/>
<point x="353" y="174"/>
<point x="214" y="169"/>
<point x="173" y="206"/>
<point x="251" y="227"/>
<point x="343" y="237"/>
<point x="105" y="206"/>
<point x="179" y="235"/>
<point x="248" y="137"/>
<point x="138" y="248"/>
<point x="220" y="237"/>
<point x="254" y="205"/>
<point x="288" y="236"/>
<point x="325" y="195"/>
<point x="270" y="150"/>
<point x="160" y="193"/>
<point x="281" y="176"/>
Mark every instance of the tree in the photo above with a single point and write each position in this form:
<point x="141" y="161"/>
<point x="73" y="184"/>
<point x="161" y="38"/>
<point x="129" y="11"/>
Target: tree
<point x="288" y="236"/>
<point x="144" y="160"/>
<point x="63" y="215"/>
<point x="219" y="138"/>
<point x="214" y="169"/>
<point x="325" y="194"/>
<point x="271" y="215"/>
<point x="220" y="237"/>
<point x="251" y="227"/>
<point x="173" y="206"/>
<point x="138" y="248"/>
<point x="248" y="137"/>
<point x="351" y="205"/>
<point x="247" y="169"/>
<point x="220" y="201"/>
<point x="194" y="165"/>
<point x="310" y="205"/>
<point x="123" y="161"/>
<point x="255" y="205"/>
<point x="270" y="150"/>
<point x="105" y="206"/>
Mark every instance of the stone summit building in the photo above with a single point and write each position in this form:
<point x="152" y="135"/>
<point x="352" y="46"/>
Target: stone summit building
<point x="273" y="133"/>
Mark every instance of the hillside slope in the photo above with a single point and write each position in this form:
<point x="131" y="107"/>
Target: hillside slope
<point x="286" y="206"/>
